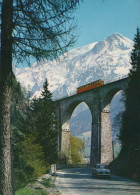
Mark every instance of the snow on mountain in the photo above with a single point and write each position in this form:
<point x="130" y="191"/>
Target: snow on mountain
<point x="105" y="59"/>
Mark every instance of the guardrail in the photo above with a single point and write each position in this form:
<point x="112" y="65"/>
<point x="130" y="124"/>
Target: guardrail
<point x="52" y="169"/>
<point x="70" y="166"/>
<point x="55" y="167"/>
<point x="69" y="95"/>
<point x="117" y="79"/>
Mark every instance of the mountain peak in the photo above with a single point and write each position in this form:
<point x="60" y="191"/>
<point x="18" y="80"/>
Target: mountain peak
<point x="116" y="36"/>
<point x="112" y="43"/>
<point x="119" y="38"/>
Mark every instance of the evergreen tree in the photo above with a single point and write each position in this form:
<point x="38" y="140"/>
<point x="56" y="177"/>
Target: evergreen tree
<point x="22" y="170"/>
<point x="18" y="105"/>
<point x="45" y="126"/>
<point x="34" y="135"/>
<point x="130" y="131"/>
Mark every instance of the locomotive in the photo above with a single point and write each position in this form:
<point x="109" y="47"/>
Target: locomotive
<point x="89" y="86"/>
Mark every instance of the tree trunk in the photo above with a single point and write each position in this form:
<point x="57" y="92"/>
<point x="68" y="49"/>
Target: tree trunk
<point x="6" y="187"/>
<point x="5" y="141"/>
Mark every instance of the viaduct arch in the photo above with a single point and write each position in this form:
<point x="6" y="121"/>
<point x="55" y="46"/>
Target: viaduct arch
<point x="98" y="100"/>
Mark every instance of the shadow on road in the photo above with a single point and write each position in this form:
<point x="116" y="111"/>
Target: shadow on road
<point x="81" y="179"/>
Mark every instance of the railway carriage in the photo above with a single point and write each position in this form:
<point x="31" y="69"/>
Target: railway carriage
<point x="89" y="86"/>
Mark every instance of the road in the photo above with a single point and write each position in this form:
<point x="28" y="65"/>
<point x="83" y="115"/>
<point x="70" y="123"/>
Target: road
<point x="80" y="182"/>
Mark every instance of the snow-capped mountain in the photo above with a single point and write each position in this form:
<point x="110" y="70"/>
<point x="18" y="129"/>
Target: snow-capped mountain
<point x="105" y="59"/>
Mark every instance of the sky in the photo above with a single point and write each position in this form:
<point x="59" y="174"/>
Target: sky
<point x="98" y="19"/>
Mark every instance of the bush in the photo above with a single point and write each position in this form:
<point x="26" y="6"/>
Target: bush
<point x="32" y="165"/>
<point x="77" y="150"/>
<point x="26" y="191"/>
<point x="30" y="191"/>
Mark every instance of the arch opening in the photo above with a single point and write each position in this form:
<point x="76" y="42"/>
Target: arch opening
<point x="111" y="107"/>
<point x="116" y="108"/>
<point x="80" y="127"/>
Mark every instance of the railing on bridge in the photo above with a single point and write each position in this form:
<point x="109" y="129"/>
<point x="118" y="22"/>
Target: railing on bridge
<point x="70" y="166"/>
<point x="106" y="82"/>
<point x="69" y="95"/>
<point x="55" y="167"/>
<point x="116" y="79"/>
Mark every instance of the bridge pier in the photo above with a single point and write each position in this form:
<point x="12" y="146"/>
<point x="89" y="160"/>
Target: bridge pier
<point x="95" y="138"/>
<point x="65" y="143"/>
<point x="101" y="138"/>
<point x="106" y="138"/>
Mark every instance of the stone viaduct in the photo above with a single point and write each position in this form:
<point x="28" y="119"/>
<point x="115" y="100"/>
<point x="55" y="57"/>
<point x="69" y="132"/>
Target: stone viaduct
<point x="98" y="100"/>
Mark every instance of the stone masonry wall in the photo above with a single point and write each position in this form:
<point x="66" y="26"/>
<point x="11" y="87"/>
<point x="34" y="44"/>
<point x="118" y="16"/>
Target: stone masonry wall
<point x="106" y="138"/>
<point x="65" y="144"/>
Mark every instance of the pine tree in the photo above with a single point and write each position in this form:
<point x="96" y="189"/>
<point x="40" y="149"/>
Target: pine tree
<point x="45" y="125"/>
<point x="34" y="136"/>
<point x="130" y="131"/>
<point x="22" y="171"/>
<point x="18" y="103"/>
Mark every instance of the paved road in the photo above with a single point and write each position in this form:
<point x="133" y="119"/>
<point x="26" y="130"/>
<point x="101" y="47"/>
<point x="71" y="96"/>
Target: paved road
<point x="80" y="182"/>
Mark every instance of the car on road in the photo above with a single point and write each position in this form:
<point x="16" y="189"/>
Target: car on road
<point x="101" y="170"/>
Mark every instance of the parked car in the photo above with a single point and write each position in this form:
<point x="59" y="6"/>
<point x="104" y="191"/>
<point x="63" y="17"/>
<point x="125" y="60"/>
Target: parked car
<point x="101" y="170"/>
